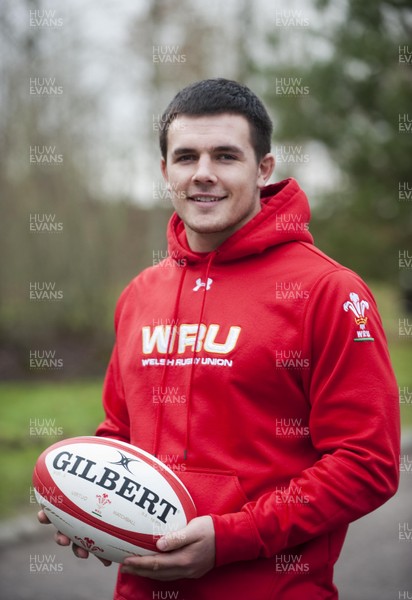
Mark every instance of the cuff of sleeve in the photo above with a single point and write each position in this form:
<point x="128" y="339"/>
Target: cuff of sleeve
<point x="236" y="538"/>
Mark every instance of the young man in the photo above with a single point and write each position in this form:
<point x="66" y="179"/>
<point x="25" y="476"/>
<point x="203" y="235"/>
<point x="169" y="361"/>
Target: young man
<point x="252" y="364"/>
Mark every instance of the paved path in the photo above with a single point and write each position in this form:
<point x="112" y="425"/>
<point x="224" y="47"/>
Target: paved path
<point x="375" y="563"/>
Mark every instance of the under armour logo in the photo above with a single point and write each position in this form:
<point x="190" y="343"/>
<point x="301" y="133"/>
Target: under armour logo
<point x="199" y="284"/>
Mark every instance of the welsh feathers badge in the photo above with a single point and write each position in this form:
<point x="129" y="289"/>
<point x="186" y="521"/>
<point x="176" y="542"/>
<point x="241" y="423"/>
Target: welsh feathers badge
<point x="358" y="307"/>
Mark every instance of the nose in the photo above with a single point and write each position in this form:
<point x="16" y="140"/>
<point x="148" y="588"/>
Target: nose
<point x="204" y="171"/>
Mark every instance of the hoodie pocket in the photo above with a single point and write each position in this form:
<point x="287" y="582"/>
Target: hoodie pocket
<point x="216" y="492"/>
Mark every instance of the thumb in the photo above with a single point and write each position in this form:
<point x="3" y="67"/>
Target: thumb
<point x="173" y="540"/>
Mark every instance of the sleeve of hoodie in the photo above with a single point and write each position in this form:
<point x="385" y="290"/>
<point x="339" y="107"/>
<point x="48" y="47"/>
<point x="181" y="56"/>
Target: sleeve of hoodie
<point x="354" y="424"/>
<point x="116" y="424"/>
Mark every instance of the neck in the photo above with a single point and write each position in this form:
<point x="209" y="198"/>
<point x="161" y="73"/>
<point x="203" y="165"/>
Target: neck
<point x="205" y="242"/>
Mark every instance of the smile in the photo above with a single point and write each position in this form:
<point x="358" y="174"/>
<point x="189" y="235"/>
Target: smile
<point x="206" y="199"/>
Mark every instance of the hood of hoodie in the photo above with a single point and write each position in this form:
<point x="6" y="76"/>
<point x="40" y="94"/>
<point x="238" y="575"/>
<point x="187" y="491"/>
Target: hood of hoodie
<point x="284" y="217"/>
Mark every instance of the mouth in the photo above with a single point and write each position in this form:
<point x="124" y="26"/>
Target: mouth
<point x="206" y="198"/>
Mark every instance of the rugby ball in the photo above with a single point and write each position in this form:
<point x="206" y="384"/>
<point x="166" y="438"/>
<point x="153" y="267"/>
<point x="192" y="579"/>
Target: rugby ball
<point x="109" y="497"/>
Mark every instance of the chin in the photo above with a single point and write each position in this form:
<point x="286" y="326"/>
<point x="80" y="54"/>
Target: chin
<point x="215" y="228"/>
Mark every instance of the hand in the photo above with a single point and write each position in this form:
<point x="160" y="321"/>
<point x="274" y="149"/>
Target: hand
<point x="63" y="540"/>
<point x="187" y="553"/>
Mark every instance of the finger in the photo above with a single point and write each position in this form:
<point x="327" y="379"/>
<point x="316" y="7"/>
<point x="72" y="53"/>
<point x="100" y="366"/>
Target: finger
<point x="62" y="539"/>
<point x="42" y="517"/>
<point x="158" y="574"/>
<point x="149" y="564"/>
<point x="173" y="540"/>
<point x="104" y="561"/>
<point x="166" y="566"/>
<point x="163" y="566"/>
<point x="79" y="552"/>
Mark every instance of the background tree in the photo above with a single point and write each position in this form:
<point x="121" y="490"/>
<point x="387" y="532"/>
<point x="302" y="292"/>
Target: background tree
<point x="357" y="85"/>
<point x="103" y="243"/>
<point x="107" y="192"/>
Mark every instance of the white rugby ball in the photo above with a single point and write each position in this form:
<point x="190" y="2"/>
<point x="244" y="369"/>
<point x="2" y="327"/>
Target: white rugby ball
<point x="111" y="498"/>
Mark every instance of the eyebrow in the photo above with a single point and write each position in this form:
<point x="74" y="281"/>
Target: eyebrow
<point x="224" y="148"/>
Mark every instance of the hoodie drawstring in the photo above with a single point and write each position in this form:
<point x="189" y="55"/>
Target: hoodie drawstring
<point x="192" y="369"/>
<point x="159" y="412"/>
<point x="173" y="329"/>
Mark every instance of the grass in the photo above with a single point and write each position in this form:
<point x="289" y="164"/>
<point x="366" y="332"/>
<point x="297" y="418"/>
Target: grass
<point x="73" y="406"/>
<point x="400" y="348"/>
<point x="32" y="417"/>
<point x="401" y="354"/>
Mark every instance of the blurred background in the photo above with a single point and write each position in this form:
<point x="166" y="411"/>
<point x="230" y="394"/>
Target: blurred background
<point x="84" y="209"/>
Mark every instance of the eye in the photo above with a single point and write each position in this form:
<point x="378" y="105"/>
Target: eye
<point x="185" y="158"/>
<point x="226" y="157"/>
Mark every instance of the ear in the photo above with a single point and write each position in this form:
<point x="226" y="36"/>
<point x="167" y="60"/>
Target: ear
<point x="163" y="168"/>
<point x="265" y="169"/>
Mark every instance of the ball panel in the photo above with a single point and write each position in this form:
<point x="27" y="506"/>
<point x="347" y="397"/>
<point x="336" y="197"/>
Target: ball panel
<point x="96" y="541"/>
<point x="62" y="514"/>
<point x="114" y="494"/>
<point x="180" y="490"/>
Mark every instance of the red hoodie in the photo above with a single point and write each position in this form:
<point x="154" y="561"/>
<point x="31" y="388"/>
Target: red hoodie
<point x="259" y="372"/>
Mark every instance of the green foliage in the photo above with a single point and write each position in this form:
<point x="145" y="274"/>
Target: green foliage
<point x="358" y="87"/>
<point x="101" y="247"/>
<point x="32" y="417"/>
<point x="103" y="240"/>
<point x="75" y="407"/>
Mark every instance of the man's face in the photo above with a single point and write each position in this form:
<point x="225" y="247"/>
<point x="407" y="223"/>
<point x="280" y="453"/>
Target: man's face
<point x="213" y="176"/>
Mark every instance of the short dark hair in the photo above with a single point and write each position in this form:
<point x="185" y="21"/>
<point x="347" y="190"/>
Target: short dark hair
<point x="217" y="96"/>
